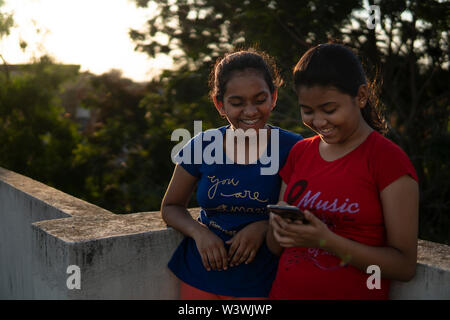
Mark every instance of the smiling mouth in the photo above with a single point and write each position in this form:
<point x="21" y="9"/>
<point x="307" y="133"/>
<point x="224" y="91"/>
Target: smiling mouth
<point x="325" y="131"/>
<point x="250" y="122"/>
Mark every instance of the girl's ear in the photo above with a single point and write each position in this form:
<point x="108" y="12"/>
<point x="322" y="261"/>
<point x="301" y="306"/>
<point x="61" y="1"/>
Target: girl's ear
<point x="362" y="96"/>
<point x="274" y="98"/>
<point x="219" y="106"/>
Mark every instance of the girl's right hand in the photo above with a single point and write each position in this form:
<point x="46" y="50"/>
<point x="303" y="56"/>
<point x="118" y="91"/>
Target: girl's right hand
<point x="211" y="249"/>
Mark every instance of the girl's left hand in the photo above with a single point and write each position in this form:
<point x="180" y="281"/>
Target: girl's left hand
<point x="296" y="234"/>
<point x="246" y="243"/>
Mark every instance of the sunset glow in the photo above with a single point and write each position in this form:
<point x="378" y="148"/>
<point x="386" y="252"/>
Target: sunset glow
<point x="93" y="34"/>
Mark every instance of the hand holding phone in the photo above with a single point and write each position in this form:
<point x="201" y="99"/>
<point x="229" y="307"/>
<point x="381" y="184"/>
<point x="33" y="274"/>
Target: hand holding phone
<point x="288" y="212"/>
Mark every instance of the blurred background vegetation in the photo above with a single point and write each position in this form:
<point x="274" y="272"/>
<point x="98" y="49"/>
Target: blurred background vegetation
<point x="106" y="139"/>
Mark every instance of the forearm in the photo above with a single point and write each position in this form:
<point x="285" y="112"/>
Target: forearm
<point x="393" y="263"/>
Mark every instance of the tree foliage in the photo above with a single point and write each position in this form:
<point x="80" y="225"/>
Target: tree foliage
<point x="6" y="22"/>
<point x="408" y="53"/>
<point x="113" y="142"/>
<point x="35" y="138"/>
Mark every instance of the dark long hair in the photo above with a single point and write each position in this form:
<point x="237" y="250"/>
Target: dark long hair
<point x="225" y="67"/>
<point x="336" y="65"/>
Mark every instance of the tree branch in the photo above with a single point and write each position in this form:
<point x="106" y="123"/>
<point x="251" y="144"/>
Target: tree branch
<point x="6" y="67"/>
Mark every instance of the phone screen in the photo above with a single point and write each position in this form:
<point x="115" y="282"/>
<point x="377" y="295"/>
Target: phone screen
<point x="289" y="212"/>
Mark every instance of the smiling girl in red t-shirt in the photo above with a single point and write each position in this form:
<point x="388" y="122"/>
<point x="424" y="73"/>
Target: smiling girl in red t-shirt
<point x="358" y="189"/>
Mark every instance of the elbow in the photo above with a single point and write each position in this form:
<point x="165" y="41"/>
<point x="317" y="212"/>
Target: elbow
<point x="272" y="245"/>
<point x="411" y="273"/>
<point x="273" y="248"/>
<point x="170" y="212"/>
<point x="163" y="215"/>
<point x="408" y="273"/>
<point x="163" y="211"/>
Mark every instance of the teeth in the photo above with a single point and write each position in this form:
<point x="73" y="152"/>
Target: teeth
<point x="327" y="130"/>
<point x="250" y="121"/>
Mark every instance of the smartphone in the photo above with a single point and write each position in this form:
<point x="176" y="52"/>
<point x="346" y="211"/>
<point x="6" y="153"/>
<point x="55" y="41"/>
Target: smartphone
<point x="289" y="212"/>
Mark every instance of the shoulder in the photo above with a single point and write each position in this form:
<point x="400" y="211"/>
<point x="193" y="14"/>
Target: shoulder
<point x="213" y="131"/>
<point x="304" y="144"/>
<point x="207" y="136"/>
<point x="287" y="137"/>
<point x="384" y="147"/>
<point x="303" y="147"/>
<point x="387" y="160"/>
<point x="189" y="152"/>
<point x="216" y="133"/>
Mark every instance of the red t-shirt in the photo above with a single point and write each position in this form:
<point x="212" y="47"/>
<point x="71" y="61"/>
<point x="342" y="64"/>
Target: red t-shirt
<point x="344" y="194"/>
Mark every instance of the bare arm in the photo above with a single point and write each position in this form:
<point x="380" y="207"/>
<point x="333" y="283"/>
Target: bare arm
<point x="175" y="214"/>
<point x="397" y="260"/>
<point x="174" y="205"/>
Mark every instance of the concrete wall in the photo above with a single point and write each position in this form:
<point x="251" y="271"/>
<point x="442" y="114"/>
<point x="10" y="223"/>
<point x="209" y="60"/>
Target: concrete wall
<point x="44" y="231"/>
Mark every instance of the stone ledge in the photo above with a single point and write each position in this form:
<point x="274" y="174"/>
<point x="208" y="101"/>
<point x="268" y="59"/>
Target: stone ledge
<point x="57" y="199"/>
<point x="86" y="221"/>
<point x="433" y="254"/>
<point x="80" y="220"/>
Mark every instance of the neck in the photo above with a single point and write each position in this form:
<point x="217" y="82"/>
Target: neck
<point x="331" y="152"/>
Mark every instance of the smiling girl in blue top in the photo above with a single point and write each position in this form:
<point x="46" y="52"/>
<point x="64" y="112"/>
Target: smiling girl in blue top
<point x="224" y="254"/>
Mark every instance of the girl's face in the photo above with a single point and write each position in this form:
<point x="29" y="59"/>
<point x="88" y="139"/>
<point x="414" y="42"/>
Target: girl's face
<point x="247" y="101"/>
<point x="335" y="116"/>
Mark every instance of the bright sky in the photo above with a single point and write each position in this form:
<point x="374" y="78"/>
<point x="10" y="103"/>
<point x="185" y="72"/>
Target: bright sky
<point x="91" y="33"/>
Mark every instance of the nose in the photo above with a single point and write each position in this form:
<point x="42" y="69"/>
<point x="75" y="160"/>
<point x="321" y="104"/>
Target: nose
<point x="319" y="122"/>
<point x="250" y="110"/>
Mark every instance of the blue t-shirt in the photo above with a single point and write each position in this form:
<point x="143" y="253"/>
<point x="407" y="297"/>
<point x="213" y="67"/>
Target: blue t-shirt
<point x="231" y="196"/>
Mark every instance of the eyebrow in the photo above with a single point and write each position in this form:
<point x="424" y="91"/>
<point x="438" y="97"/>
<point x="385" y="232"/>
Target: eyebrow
<point x="319" y="106"/>
<point x="240" y="97"/>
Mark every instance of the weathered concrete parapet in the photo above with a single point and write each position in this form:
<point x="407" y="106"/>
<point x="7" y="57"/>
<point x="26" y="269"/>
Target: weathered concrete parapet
<point x="43" y="231"/>
<point x="432" y="279"/>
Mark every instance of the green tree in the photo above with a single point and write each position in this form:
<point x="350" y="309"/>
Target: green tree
<point x="411" y="51"/>
<point x="114" y="149"/>
<point x="125" y="151"/>
<point x="6" y="22"/>
<point x="35" y="138"/>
